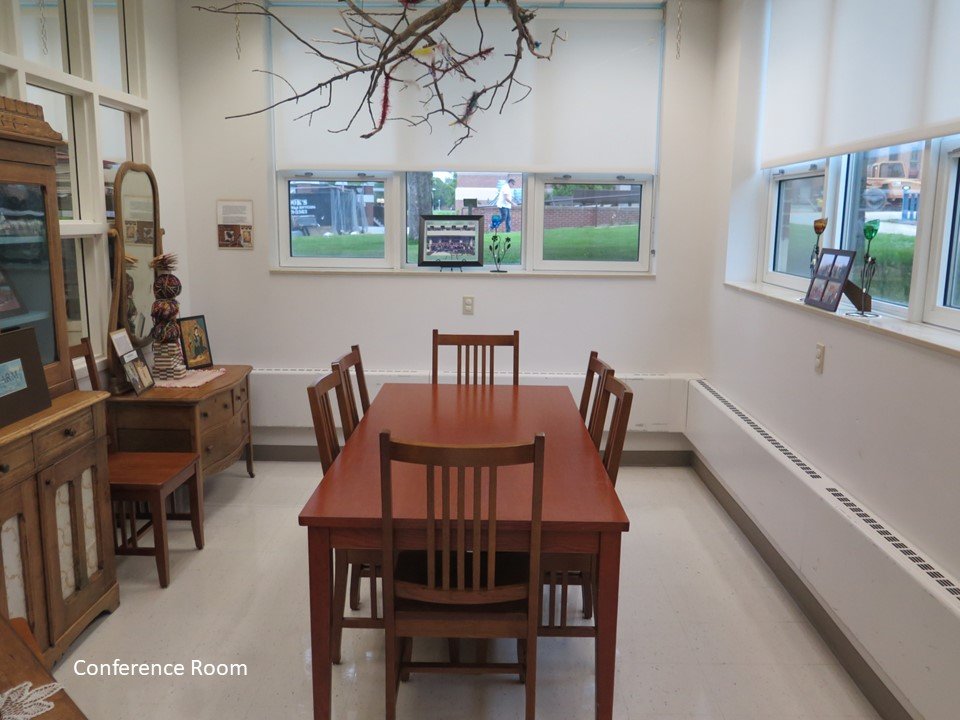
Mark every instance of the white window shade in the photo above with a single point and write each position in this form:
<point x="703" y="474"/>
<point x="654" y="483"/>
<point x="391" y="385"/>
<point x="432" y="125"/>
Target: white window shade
<point x="605" y="77"/>
<point x="849" y="75"/>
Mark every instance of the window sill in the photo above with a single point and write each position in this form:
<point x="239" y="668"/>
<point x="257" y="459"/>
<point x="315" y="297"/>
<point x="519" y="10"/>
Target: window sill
<point x="468" y="272"/>
<point x="921" y="334"/>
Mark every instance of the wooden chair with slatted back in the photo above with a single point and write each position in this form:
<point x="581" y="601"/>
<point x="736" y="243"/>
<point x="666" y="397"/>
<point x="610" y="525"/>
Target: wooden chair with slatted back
<point x="561" y="570"/>
<point x="464" y="585"/>
<point x="360" y="563"/>
<point x="346" y="396"/>
<point x="481" y="348"/>
<point x="148" y="479"/>
<point x="597" y="373"/>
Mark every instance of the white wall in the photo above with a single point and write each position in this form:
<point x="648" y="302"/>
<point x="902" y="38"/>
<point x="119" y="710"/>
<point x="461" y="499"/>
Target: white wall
<point x="883" y="419"/>
<point x="284" y="320"/>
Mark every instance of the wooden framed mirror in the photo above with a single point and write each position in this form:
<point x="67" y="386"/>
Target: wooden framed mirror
<point x="137" y="240"/>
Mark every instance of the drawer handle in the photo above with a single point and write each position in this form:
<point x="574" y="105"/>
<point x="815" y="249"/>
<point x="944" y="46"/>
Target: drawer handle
<point x="4" y="469"/>
<point x="47" y="481"/>
<point x="226" y="406"/>
<point x="209" y="448"/>
<point x="70" y="432"/>
<point x="204" y="414"/>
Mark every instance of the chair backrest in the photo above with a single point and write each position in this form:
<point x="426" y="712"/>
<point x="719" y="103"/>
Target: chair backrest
<point x="480" y="372"/>
<point x="462" y="537"/>
<point x="346" y="397"/>
<point x="599" y="371"/>
<point x="619" y="421"/>
<point x="83" y="349"/>
<point x="323" y="425"/>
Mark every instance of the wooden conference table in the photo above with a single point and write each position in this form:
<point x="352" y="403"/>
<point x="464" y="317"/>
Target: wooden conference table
<point x="581" y="511"/>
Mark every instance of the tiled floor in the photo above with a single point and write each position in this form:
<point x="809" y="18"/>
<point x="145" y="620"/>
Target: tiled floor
<point x="706" y="631"/>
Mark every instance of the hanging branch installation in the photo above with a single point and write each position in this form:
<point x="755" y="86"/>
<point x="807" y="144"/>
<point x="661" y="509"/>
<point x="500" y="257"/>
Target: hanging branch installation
<point x="396" y="50"/>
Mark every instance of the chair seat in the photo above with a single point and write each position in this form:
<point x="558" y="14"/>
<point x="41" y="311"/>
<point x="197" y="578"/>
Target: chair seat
<point x="149" y="469"/>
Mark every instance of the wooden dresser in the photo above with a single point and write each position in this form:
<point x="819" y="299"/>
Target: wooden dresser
<point x="213" y="420"/>
<point x="58" y="566"/>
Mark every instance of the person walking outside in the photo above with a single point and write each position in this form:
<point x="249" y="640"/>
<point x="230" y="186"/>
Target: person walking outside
<point x="505" y="201"/>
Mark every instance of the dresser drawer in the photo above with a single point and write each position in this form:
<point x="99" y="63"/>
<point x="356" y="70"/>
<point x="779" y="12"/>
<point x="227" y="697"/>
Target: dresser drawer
<point x="216" y="409"/>
<point x="64" y="437"/>
<point x="239" y="396"/>
<point x="221" y="441"/>
<point x="16" y="462"/>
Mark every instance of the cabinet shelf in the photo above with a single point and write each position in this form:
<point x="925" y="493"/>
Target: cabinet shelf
<point x="24" y="319"/>
<point x="22" y="239"/>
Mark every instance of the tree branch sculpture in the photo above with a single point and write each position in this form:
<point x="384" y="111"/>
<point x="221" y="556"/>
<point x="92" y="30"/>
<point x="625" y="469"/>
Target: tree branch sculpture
<point x="394" y="50"/>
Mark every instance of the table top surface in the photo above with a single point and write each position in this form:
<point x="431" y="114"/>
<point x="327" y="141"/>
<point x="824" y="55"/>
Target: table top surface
<point x="577" y="493"/>
<point x="233" y="375"/>
<point x="60" y="407"/>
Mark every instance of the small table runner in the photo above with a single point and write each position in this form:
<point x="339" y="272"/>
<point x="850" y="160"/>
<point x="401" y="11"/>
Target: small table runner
<point x="193" y="378"/>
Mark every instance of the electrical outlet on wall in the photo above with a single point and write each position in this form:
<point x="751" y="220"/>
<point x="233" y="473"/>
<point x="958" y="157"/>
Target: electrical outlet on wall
<point x="468" y="304"/>
<point x="821" y="352"/>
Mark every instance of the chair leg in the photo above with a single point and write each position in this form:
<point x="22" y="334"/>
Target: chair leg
<point x="522" y="658"/>
<point x="373" y="591"/>
<point x="391" y="684"/>
<point x="161" y="549"/>
<point x="586" y="587"/>
<point x="405" y="657"/>
<point x="339" y="596"/>
<point x="453" y="649"/>
<point x="530" y="675"/>
<point x="355" y="575"/>
<point x="196" y="508"/>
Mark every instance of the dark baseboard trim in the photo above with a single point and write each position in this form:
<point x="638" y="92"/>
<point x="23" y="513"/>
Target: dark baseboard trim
<point x="287" y="453"/>
<point x="877" y="693"/>
<point x="656" y="458"/>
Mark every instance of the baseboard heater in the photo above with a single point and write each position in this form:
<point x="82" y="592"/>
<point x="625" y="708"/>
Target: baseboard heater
<point x="896" y="606"/>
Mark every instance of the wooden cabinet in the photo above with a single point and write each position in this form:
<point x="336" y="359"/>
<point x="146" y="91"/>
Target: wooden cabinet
<point x="57" y="566"/>
<point x="212" y="420"/>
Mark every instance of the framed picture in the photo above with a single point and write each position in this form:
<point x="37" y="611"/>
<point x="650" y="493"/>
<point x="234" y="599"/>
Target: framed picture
<point x="451" y="241"/>
<point x="826" y="285"/>
<point x="195" y="342"/>
<point x="23" y="386"/>
<point x="137" y="372"/>
<point x="10" y="302"/>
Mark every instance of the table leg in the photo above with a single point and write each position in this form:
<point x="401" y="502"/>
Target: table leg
<point x="608" y="592"/>
<point x="321" y="588"/>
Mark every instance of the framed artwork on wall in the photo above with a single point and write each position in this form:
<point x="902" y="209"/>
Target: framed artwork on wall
<point x="195" y="342"/>
<point x="829" y="278"/>
<point x="23" y="385"/>
<point x="451" y="241"/>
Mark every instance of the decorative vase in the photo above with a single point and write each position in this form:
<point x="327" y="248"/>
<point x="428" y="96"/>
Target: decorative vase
<point x="167" y="354"/>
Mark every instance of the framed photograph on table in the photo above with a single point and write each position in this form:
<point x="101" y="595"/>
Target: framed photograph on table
<point x="451" y="241"/>
<point x="826" y="285"/>
<point x="195" y="342"/>
<point x="23" y="386"/>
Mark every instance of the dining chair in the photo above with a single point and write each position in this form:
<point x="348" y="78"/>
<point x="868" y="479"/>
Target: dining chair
<point x="346" y="396"/>
<point x="481" y="347"/>
<point x="147" y="479"/>
<point x="561" y="570"/>
<point x="360" y="563"/>
<point x="597" y="372"/>
<point x="463" y="585"/>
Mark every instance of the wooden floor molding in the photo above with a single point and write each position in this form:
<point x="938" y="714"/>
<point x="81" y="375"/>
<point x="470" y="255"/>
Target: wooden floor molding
<point x="886" y="704"/>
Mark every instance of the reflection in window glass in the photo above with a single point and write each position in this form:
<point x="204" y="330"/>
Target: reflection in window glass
<point x="799" y="203"/>
<point x="589" y="222"/>
<point x="110" y="59"/>
<point x="75" y="290"/>
<point x="490" y="194"/>
<point x="885" y="186"/>
<point x="115" y="146"/>
<point x="43" y="33"/>
<point x="58" y="112"/>
<point x="336" y="218"/>
<point x="952" y="290"/>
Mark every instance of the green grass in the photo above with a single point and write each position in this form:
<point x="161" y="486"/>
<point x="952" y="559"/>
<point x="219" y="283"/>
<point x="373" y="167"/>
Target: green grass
<point x="611" y="243"/>
<point x="894" y="254"/>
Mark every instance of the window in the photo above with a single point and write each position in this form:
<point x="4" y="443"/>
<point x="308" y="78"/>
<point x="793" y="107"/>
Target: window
<point x="109" y="46"/>
<point x="58" y="112"/>
<point x="75" y="290"/>
<point x="797" y="199"/>
<point x="884" y="185"/>
<point x="593" y="223"/>
<point x="951" y="292"/>
<point x="336" y="219"/>
<point x="116" y="147"/>
<point x="490" y="194"/>
<point x="43" y="32"/>
<point x="943" y="279"/>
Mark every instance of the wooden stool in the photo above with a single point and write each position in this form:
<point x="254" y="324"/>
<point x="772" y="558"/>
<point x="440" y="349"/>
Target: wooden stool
<point x="150" y="478"/>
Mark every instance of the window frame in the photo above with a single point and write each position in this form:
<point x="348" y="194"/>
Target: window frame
<point x="644" y="264"/>
<point x="945" y="237"/>
<point x="392" y="219"/>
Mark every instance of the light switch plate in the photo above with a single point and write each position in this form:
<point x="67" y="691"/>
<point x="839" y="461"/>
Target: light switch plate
<point x="468" y="304"/>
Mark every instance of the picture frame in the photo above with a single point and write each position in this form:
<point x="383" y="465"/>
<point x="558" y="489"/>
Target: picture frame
<point x="23" y="384"/>
<point x="195" y="342"/>
<point x="451" y="241"/>
<point x="10" y="301"/>
<point x="137" y="372"/>
<point x="829" y="278"/>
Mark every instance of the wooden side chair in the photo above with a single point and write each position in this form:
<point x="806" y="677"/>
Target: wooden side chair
<point x="148" y="479"/>
<point x="561" y="570"/>
<point x="361" y="563"/>
<point x="480" y="347"/>
<point x="464" y="585"/>
<point x="346" y="396"/>
<point x="597" y="373"/>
